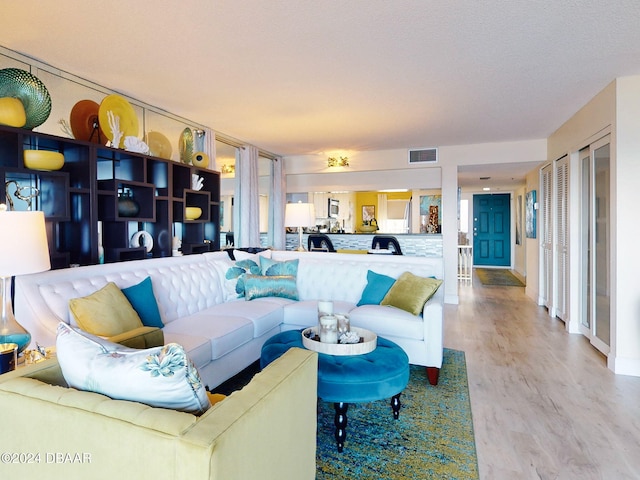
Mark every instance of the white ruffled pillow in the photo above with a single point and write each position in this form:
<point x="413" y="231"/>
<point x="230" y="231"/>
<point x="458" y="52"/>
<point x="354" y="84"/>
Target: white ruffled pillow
<point x="162" y="377"/>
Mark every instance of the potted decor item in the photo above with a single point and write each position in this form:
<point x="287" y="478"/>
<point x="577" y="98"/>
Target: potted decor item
<point x="127" y="206"/>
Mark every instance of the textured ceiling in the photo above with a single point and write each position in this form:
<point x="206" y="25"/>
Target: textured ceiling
<point x="306" y="76"/>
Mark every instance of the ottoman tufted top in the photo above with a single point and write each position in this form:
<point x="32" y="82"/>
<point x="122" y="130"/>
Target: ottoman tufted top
<point x="377" y="375"/>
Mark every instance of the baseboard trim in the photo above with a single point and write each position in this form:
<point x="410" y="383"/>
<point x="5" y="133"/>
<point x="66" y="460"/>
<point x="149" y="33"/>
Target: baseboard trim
<point x="624" y="366"/>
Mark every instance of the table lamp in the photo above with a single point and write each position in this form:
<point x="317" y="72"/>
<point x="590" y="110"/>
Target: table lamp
<point x="23" y="249"/>
<point x="300" y="215"/>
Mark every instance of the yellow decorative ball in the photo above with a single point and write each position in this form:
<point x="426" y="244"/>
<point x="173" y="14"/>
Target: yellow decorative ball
<point x="200" y="160"/>
<point x="12" y="112"/>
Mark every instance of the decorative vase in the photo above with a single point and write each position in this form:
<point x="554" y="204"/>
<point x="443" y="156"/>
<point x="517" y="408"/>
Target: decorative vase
<point x="185" y="145"/>
<point x="100" y="246"/>
<point x="10" y="330"/>
<point x="127" y="206"/>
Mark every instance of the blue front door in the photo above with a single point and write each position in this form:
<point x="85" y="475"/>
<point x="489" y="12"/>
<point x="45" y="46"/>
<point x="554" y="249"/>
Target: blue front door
<point x="491" y="230"/>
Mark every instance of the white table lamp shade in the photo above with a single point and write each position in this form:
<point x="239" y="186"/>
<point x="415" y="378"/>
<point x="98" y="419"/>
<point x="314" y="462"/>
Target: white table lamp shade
<point x="300" y="215"/>
<point x="23" y="243"/>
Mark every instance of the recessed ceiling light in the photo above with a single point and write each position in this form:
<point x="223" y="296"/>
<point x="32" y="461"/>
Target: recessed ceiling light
<point x="486" y="189"/>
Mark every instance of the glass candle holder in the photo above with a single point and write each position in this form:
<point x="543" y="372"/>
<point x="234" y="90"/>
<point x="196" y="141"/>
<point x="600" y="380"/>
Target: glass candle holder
<point x="329" y="329"/>
<point x="344" y="323"/>
<point x="325" y="307"/>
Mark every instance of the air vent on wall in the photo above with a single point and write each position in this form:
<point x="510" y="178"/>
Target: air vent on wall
<point x="423" y="155"/>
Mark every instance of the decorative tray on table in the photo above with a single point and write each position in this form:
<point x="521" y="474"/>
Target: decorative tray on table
<point x="368" y="342"/>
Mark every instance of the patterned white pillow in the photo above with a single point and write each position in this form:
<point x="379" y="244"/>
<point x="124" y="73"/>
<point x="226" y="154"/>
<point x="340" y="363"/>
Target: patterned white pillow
<point x="160" y="377"/>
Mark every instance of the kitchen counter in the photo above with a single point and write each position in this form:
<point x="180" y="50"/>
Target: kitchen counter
<point x="412" y="244"/>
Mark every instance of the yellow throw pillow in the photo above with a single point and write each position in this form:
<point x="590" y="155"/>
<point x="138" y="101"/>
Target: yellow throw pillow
<point x="215" y="397"/>
<point x="411" y="292"/>
<point x="106" y="312"/>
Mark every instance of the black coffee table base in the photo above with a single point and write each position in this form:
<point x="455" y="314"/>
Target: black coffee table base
<point x="340" y="420"/>
<point x="343" y="379"/>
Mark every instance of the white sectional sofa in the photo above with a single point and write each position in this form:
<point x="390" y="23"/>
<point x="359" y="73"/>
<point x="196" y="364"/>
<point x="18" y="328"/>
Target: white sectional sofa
<point x="222" y="334"/>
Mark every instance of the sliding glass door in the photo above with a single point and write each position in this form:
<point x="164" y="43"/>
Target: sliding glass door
<point x="595" y="253"/>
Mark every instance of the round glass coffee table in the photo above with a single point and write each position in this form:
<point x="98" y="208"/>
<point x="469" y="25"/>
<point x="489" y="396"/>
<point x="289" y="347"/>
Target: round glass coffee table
<point x="343" y="379"/>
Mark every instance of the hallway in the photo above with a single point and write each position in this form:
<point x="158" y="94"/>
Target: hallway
<point x="544" y="404"/>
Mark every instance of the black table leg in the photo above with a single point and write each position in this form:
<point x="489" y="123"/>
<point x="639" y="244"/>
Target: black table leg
<point x="395" y="405"/>
<point x="340" y="421"/>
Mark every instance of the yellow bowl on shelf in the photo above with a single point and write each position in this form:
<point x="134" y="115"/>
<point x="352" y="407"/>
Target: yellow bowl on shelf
<point x="367" y="228"/>
<point x="43" y="160"/>
<point x="192" y="213"/>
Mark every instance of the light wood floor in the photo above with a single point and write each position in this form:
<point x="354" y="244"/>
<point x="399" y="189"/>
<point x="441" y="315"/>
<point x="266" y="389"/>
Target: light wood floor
<point x="544" y="404"/>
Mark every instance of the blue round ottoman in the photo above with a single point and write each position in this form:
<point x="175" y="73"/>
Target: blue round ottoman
<point x="382" y="373"/>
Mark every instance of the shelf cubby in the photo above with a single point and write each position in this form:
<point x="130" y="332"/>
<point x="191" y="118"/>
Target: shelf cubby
<point x="86" y="189"/>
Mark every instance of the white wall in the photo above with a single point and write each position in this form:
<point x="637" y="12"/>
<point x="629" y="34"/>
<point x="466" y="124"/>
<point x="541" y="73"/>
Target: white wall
<point x="372" y="170"/>
<point x="520" y="251"/>
<point x="390" y="169"/>
<point x="532" y="245"/>
<point x="616" y="110"/>
<point x="626" y="227"/>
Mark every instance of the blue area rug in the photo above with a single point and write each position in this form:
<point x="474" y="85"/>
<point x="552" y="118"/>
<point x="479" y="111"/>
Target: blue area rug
<point x="432" y="439"/>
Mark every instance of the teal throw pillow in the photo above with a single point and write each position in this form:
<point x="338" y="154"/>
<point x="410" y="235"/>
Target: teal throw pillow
<point x="238" y="271"/>
<point x="274" y="267"/>
<point x="144" y="302"/>
<point x="258" y="286"/>
<point x="377" y="287"/>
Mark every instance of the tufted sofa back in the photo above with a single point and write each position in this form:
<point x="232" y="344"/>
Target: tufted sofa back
<point x="340" y="276"/>
<point x="182" y="286"/>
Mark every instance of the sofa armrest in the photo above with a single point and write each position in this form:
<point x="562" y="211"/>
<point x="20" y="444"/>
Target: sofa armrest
<point x="433" y="318"/>
<point x="275" y="415"/>
<point x="267" y="430"/>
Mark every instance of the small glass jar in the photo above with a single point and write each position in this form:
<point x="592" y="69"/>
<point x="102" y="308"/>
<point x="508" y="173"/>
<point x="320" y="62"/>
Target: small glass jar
<point x="329" y="329"/>
<point x="344" y="323"/>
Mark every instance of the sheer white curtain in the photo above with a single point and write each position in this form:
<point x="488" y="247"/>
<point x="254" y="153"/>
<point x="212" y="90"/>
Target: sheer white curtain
<point x="276" y="235"/>
<point x="246" y="209"/>
<point x="210" y="148"/>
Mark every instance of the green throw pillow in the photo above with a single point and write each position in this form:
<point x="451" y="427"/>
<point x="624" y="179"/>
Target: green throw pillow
<point x="106" y="312"/>
<point x="144" y="303"/>
<point x="411" y="292"/>
<point x="377" y="287"/>
<point x="258" y="286"/>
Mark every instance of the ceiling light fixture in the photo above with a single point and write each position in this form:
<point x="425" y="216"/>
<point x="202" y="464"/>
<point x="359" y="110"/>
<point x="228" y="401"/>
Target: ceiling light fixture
<point x="338" y="162"/>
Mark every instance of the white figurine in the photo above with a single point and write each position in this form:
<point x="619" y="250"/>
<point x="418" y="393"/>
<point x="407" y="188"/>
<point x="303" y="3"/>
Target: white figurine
<point x="197" y="182"/>
<point x="114" y="125"/>
<point x="134" y="144"/>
